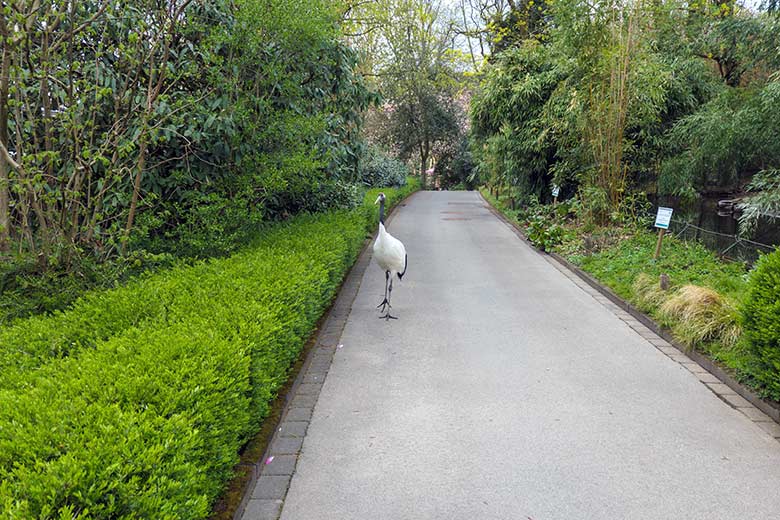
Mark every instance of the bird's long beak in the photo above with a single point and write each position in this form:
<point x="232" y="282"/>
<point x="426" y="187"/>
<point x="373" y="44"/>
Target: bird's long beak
<point x="378" y="199"/>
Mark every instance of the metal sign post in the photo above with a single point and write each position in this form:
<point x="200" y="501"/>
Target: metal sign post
<point x="555" y="191"/>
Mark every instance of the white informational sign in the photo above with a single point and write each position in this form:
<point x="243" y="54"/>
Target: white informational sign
<point x="663" y="218"/>
<point x="555" y="190"/>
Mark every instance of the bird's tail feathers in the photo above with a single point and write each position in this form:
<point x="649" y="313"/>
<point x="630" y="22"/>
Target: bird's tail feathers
<point x="406" y="261"/>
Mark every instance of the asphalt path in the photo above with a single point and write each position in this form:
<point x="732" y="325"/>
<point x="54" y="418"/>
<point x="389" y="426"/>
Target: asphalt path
<point x="505" y="391"/>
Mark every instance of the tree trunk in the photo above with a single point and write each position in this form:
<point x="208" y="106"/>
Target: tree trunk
<point x="5" y="73"/>
<point x="136" y="190"/>
<point x="423" y="168"/>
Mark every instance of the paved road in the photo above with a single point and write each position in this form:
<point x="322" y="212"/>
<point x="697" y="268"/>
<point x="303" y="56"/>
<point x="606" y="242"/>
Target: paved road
<point x="505" y="391"/>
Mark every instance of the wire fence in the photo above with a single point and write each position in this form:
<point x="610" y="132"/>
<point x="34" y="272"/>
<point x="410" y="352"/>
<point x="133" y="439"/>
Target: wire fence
<point x="729" y="246"/>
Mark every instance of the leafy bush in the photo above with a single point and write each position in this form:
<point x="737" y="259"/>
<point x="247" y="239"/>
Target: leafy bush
<point x="135" y="402"/>
<point x="761" y="321"/>
<point x="382" y="170"/>
<point x="27" y="288"/>
<point x="210" y="224"/>
<point x="544" y="232"/>
<point x="456" y="167"/>
<point x="543" y="223"/>
<point x="335" y="195"/>
<point x="144" y="426"/>
<point x="250" y="99"/>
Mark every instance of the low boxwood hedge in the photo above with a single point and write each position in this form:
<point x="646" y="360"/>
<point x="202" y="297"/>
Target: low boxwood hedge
<point x="135" y="402"/>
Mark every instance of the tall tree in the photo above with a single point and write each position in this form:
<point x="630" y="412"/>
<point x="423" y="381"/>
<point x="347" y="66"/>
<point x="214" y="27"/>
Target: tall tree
<point x="415" y="61"/>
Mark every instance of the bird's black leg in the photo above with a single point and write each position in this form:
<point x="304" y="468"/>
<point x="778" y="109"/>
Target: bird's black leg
<point x="389" y="294"/>
<point x="386" y="302"/>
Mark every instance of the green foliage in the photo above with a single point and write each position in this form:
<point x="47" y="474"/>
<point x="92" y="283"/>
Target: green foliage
<point x="219" y="112"/>
<point x="414" y="58"/>
<point x="764" y="200"/>
<point x="761" y="322"/>
<point x="455" y="168"/>
<point x="382" y="170"/>
<point x="737" y="41"/>
<point x="144" y="426"/>
<point x="252" y="114"/>
<point x="733" y="135"/>
<point x="685" y="263"/>
<point x="513" y="145"/>
<point x="608" y="97"/>
<point x="544" y="233"/>
<point x="544" y="225"/>
<point x="335" y="195"/>
<point x="523" y="20"/>
<point x="209" y="224"/>
<point x="27" y="288"/>
<point x="633" y="210"/>
<point x="135" y="402"/>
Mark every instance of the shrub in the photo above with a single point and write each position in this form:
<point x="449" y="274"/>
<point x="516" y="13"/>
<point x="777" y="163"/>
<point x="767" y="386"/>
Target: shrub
<point x="456" y="167"/>
<point x="542" y="223"/>
<point x="761" y="321"/>
<point x="144" y="426"/>
<point x="135" y="402"/>
<point x="544" y="232"/>
<point x="382" y="170"/>
<point x="334" y="195"/>
<point x="208" y="224"/>
<point x="27" y="288"/>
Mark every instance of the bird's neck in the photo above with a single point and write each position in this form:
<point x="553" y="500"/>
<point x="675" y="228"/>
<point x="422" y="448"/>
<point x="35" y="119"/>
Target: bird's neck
<point x="381" y="212"/>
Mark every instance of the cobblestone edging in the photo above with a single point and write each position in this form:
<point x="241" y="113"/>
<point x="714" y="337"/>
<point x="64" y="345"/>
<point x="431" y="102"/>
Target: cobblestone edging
<point x="265" y="493"/>
<point x="720" y="382"/>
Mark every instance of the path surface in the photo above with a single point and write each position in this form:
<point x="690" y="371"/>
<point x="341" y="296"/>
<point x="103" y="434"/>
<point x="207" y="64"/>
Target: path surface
<point x="505" y="391"/>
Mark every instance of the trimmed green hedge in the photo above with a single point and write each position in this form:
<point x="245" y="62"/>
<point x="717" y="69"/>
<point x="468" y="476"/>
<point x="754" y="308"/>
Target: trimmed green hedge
<point x="761" y="322"/>
<point x="135" y="402"/>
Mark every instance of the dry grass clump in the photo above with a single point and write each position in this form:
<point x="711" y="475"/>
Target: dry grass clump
<point x="701" y="314"/>
<point x="696" y="314"/>
<point x="648" y="292"/>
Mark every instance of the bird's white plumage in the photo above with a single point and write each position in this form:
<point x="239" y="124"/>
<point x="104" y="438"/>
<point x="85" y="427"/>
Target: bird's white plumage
<point x="389" y="252"/>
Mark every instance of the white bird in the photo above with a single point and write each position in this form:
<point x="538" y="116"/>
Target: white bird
<point x="390" y="254"/>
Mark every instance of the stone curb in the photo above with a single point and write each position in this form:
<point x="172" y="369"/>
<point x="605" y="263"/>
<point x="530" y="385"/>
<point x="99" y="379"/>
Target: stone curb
<point x="716" y="379"/>
<point x="264" y="494"/>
